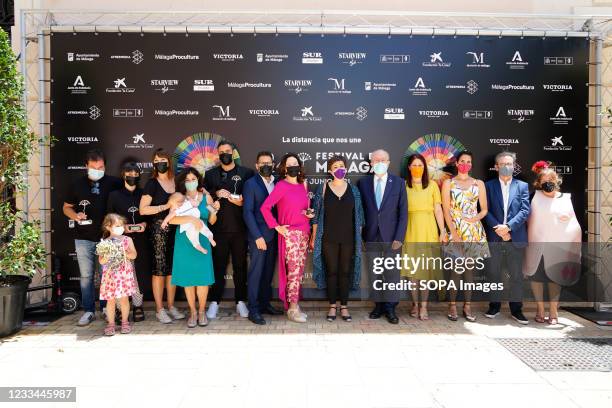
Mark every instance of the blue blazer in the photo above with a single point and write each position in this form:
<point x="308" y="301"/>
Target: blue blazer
<point x="391" y="220"/>
<point x="518" y="210"/>
<point x="254" y="193"/>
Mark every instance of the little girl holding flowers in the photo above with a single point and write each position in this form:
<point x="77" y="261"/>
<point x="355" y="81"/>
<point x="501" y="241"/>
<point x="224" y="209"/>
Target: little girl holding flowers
<point x="116" y="253"/>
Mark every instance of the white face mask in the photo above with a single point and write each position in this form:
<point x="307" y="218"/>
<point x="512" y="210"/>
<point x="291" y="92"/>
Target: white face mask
<point x="94" y="174"/>
<point x="117" y="230"/>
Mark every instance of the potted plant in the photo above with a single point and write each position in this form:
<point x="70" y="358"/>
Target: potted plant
<point x="21" y="250"/>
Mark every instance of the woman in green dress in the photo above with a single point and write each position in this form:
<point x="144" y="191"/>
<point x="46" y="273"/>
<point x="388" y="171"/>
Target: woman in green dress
<point x="191" y="268"/>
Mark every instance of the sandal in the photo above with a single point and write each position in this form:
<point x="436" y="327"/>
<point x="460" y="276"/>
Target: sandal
<point x="415" y="310"/>
<point x="423" y="314"/>
<point x="331" y="318"/>
<point x="469" y="317"/>
<point x="553" y="321"/>
<point x="126" y="328"/>
<point x="138" y="314"/>
<point x="540" y="319"/>
<point x="346" y="318"/>
<point x="452" y="317"/>
<point x="109" y="330"/>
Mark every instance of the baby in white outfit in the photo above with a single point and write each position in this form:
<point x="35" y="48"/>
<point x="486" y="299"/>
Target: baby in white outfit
<point x="180" y="206"/>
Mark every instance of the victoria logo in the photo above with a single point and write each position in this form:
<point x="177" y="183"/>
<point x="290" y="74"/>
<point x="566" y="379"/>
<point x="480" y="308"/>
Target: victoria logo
<point x="520" y="115"/>
<point x="228" y="57"/>
<point x="351" y="58"/>
<point x="477" y="60"/>
<point x="557" y="144"/>
<point x="298" y="86"/>
<point x="203" y="85"/>
<point x="557" y="87"/>
<point x="338" y="86"/>
<point x="419" y="88"/>
<point x="138" y="142"/>
<point x="477" y="114"/>
<point x="307" y="115"/>
<point x="560" y="117"/>
<point x="433" y="114"/>
<point x="82" y="139"/>
<point x="504" y="141"/>
<point x="263" y="113"/>
<point x="312" y="58"/>
<point x="119" y="86"/>
<point x="394" y="113"/>
<point x="517" y="61"/>
<point x="79" y="87"/>
<point x="223" y="113"/>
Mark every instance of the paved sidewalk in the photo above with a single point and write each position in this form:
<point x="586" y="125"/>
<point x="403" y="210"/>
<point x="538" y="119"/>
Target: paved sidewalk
<point x="233" y="363"/>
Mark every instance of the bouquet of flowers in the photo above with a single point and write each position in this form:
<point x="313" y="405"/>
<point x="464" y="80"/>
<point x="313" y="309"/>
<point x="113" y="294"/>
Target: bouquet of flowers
<point x="112" y="251"/>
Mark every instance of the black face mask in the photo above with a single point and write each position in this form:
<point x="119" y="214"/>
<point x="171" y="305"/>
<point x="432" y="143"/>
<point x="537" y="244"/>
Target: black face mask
<point x="265" y="170"/>
<point x="226" y="158"/>
<point x="161" y="167"/>
<point x="132" y="180"/>
<point x="549" y="186"/>
<point x="293" y="171"/>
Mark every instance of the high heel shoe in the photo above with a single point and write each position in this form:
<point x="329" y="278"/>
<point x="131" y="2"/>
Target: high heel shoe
<point x="469" y="317"/>
<point x="331" y="318"/>
<point x="347" y="318"/>
<point x="453" y="317"/>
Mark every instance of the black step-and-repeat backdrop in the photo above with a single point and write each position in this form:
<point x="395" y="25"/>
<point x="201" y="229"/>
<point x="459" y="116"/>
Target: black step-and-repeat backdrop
<point x="129" y="94"/>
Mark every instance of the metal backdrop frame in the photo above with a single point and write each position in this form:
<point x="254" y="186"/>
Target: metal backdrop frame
<point x="36" y="25"/>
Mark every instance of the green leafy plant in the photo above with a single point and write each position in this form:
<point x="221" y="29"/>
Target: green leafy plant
<point x="21" y="249"/>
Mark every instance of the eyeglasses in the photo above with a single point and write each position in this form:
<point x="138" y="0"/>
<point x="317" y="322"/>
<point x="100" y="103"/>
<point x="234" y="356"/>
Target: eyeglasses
<point x="95" y="188"/>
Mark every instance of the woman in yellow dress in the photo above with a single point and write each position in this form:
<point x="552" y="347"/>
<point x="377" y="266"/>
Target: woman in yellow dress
<point x="424" y="232"/>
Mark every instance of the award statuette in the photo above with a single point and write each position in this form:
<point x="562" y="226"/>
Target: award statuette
<point x="309" y="210"/>
<point x="133" y="227"/>
<point x="236" y="179"/>
<point x="84" y="204"/>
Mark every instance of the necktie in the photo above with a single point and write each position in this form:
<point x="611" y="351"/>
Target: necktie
<point x="378" y="192"/>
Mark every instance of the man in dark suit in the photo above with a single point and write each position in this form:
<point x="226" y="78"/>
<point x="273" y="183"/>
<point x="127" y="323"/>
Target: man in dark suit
<point x="262" y="240"/>
<point x="225" y="182"/>
<point x="386" y="215"/>
<point x="506" y="228"/>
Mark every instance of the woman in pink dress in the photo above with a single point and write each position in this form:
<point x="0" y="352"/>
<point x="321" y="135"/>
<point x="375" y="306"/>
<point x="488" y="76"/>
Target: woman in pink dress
<point x="555" y="236"/>
<point x="290" y="197"/>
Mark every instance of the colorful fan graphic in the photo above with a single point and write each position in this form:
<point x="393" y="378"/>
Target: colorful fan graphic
<point x="439" y="150"/>
<point x="199" y="151"/>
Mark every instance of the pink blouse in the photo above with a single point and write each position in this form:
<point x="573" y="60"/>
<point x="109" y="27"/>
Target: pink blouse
<point x="291" y="200"/>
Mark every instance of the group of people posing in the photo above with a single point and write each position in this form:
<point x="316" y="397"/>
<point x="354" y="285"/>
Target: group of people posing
<point x="183" y="230"/>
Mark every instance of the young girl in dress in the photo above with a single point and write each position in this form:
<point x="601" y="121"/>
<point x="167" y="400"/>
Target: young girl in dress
<point x="116" y="253"/>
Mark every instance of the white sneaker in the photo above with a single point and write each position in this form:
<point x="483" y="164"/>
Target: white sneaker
<point x="242" y="309"/>
<point x="163" y="317"/>
<point x="176" y="314"/>
<point x="87" y="318"/>
<point x="212" y="311"/>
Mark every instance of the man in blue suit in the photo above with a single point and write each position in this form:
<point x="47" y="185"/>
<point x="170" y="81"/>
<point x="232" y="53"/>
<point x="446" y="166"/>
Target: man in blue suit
<point x="385" y="206"/>
<point x="262" y="240"/>
<point x="506" y="228"/>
